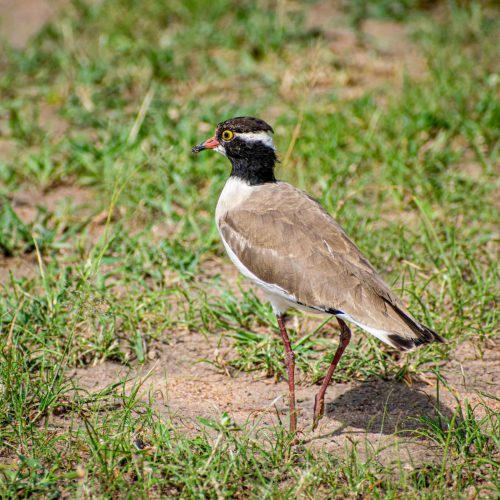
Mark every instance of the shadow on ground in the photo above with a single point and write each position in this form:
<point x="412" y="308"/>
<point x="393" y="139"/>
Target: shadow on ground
<point x="383" y="407"/>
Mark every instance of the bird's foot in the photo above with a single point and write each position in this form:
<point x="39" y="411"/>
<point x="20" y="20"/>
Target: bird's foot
<point x="319" y="411"/>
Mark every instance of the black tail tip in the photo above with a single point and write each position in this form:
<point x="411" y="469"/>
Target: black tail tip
<point x="430" y="336"/>
<point x="425" y="336"/>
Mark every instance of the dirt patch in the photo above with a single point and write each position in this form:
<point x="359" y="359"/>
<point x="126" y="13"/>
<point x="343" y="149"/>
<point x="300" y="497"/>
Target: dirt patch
<point x="377" y="414"/>
<point x="8" y="148"/>
<point x="473" y="369"/>
<point x="51" y="121"/>
<point x="338" y="58"/>
<point x="379" y="53"/>
<point x="26" y="203"/>
<point x="22" y="19"/>
<point x="18" y="268"/>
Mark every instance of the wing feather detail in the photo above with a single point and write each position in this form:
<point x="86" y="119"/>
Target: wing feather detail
<point x="286" y="238"/>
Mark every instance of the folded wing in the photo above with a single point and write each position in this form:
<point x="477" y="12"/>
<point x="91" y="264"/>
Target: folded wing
<point x="285" y="238"/>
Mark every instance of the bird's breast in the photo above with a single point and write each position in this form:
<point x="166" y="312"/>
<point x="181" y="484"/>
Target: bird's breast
<point x="235" y="192"/>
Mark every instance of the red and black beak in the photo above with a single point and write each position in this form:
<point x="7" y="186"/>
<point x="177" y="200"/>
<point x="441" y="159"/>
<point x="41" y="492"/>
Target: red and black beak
<point x="211" y="143"/>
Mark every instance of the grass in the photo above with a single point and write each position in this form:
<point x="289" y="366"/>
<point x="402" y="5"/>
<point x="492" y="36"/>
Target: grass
<point x="104" y="105"/>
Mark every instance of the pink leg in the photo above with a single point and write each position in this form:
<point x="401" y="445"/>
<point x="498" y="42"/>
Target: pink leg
<point x="290" y="364"/>
<point x="319" y="402"/>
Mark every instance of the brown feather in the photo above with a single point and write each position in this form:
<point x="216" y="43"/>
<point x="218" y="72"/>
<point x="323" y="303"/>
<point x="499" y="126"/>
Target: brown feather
<point x="286" y="238"/>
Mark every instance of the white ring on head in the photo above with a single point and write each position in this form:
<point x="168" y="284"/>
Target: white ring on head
<point x="264" y="137"/>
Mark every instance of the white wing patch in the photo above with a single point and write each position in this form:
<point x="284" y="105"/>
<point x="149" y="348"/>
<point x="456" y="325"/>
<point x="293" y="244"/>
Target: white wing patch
<point x="380" y="334"/>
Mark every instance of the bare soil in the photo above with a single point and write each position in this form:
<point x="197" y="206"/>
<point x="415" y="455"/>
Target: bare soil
<point x="375" y="413"/>
<point x="22" y="19"/>
<point x="378" y="54"/>
<point x="26" y="204"/>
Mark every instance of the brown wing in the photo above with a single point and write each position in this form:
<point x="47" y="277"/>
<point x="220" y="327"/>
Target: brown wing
<point x="285" y="238"/>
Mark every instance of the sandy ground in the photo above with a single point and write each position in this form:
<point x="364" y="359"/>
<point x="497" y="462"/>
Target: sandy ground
<point x="22" y="19"/>
<point x="375" y="412"/>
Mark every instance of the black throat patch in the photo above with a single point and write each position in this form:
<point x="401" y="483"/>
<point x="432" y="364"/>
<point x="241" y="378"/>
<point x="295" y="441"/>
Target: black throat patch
<point x="252" y="161"/>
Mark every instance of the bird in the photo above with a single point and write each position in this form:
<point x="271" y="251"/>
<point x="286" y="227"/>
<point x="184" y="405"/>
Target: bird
<point x="286" y="243"/>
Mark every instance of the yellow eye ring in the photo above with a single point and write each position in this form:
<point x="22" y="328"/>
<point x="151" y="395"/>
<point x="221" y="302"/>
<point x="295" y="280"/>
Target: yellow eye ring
<point x="227" y="135"/>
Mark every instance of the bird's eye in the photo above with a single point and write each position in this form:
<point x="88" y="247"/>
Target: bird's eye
<point x="227" y="135"/>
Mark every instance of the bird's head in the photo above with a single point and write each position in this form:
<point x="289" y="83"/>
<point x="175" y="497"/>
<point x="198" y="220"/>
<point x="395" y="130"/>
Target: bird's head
<point x="248" y="143"/>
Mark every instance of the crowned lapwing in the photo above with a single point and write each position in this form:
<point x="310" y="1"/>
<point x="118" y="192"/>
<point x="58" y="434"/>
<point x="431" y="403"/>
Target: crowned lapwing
<point x="286" y="243"/>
